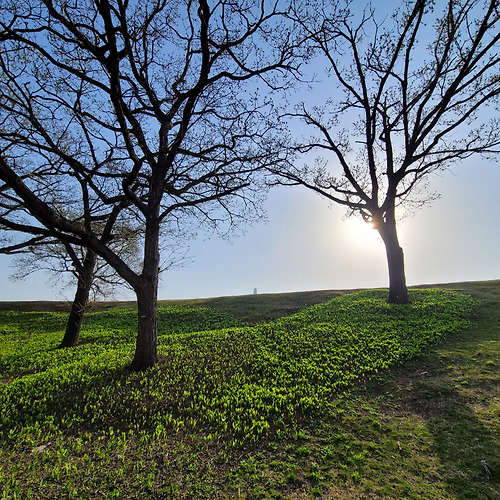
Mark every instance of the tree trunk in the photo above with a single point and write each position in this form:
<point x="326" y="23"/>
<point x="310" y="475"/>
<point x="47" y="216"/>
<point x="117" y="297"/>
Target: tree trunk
<point x="75" y="320"/>
<point x="147" y="300"/>
<point x="398" y="292"/>
<point x="145" y="348"/>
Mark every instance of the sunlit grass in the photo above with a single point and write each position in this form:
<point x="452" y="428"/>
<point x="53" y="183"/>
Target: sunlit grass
<point x="221" y="386"/>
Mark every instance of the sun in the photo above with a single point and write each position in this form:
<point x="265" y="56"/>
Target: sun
<point x="361" y="233"/>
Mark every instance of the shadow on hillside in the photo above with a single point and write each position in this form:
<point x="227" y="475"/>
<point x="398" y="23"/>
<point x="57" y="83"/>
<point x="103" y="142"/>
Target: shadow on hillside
<point x="261" y="308"/>
<point x="461" y="440"/>
<point x="74" y="402"/>
<point x="454" y="390"/>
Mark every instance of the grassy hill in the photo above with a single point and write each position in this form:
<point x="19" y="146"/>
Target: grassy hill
<point x="264" y="396"/>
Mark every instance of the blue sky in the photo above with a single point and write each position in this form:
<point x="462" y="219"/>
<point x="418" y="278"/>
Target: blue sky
<point x="308" y="245"/>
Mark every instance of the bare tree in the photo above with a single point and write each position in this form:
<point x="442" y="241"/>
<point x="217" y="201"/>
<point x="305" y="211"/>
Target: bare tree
<point x="410" y="96"/>
<point x="69" y="265"/>
<point x="43" y="252"/>
<point x="151" y="109"/>
<point x="54" y="257"/>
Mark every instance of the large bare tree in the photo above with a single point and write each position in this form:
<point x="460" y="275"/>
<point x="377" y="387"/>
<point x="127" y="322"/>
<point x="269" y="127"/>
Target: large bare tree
<point x="410" y="94"/>
<point x="153" y="111"/>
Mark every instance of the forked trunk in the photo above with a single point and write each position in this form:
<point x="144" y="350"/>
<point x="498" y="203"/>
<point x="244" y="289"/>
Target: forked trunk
<point x="398" y="291"/>
<point x="147" y="300"/>
<point x="75" y="320"/>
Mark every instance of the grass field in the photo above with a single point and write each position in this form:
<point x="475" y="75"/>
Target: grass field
<point x="316" y="394"/>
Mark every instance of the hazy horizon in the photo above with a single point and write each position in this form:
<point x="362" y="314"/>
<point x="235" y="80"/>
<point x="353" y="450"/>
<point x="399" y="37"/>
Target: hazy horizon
<point x="307" y="245"/>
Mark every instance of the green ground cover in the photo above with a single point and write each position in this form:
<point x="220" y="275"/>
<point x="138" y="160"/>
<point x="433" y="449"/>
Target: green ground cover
<point x="234" y="409"/>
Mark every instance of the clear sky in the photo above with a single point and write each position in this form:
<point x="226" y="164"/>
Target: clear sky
<point x="308" y="245"/>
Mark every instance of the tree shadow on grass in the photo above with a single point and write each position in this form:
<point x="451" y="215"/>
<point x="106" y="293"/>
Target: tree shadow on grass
<point x="466" y="447"/>
<point x="65" y="400"/>
<point x="456" y="390"/>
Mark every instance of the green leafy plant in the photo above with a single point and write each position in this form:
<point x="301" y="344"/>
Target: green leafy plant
<point x="219" y="380"/>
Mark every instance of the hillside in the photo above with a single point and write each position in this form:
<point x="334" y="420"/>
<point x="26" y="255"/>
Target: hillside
<point x="264" y="396"/>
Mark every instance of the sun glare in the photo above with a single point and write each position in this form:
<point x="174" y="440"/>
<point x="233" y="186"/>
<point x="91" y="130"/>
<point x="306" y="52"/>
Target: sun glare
<point x="362" y="233"/>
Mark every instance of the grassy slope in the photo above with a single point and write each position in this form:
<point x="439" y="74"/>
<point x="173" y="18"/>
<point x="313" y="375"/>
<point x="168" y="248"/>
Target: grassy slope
<point x="252" y="308"/>
<point x="419" y="432"/>
<point x="436" y="419"/>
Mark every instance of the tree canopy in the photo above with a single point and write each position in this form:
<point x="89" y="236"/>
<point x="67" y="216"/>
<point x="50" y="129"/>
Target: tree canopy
<point x="147" y="111"/>
<point x="410" y="88"/>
